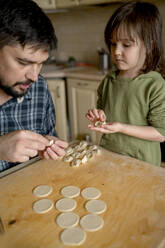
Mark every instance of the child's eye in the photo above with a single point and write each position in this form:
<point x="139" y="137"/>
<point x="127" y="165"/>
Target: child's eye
<point x="126" y="45"/>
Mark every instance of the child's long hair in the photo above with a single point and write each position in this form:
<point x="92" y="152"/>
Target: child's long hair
<point x="143" y="19"/>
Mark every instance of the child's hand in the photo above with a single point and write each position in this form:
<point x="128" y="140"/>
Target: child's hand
<point x="95" y="115"/>
<point x="111" y="127"/>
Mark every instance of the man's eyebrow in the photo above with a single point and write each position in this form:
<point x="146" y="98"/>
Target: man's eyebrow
<point x="28" y="60"/>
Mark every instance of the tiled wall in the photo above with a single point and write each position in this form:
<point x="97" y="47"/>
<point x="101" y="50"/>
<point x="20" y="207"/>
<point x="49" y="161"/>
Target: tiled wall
<point x="81" y="31"/>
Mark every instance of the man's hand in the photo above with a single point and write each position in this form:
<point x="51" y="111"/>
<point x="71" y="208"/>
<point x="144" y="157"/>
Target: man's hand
<point x="56" y="150"/>
<point x="21" y="145"/>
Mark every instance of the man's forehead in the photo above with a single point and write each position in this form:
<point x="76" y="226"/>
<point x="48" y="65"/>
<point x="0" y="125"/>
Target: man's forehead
<point x="31" y="49"/>
<point x="30" y="52"/>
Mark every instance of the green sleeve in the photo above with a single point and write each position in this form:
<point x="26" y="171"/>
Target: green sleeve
<point x="156" y="115"/>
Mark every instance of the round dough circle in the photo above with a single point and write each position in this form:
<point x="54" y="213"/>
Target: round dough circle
<point x="42" y="206"/>
<point x="65" y="220"/>
<point x="96" y="206"/>
<point x="42" y="190"/>
<point x="73" y="236"/>
<point x="90" y="193"/>
<point x="91" y="222"/>
<point x="70" y="191"/>
<point x="66" y="204"/>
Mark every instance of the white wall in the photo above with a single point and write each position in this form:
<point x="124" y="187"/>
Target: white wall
<point x="81" y="31"/>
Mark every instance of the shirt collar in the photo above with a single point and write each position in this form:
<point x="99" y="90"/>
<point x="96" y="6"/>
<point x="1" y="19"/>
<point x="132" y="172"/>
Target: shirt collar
<point x="28" y="95"/>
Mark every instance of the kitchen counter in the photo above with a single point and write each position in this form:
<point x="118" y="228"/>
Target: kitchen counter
<point x="86" y="72"/>
<point x="134" y="192"/>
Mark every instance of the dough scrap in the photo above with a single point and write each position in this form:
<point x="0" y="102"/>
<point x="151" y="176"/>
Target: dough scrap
<point x="51" y="142"/>
<point x="79" y="152"/>
<point x="89" y="154"/>
<point x="99" y="123"/>
<point x="69" y="150"/>
<point x="66" y="204"/>
<point x="77" y="155"/>
<point x="68" y="158"/>
<point x="43" y="206"/>
<point x="83" y="144"/>
<point x="93" y="147"/>
<point x="91" y="222"/>
<point x="66" y="220"/>
<point x="73" y="236"/>
<point x="77" y="148"/>
<point x="83" y="152"/>
<point x="42" y="190"/>
<point x="96" y="206"/>
<point x="84" y="159"/>
<point x="76" y="162"/>
<point x="90" y="193"/>
<point x="70" y="191"/>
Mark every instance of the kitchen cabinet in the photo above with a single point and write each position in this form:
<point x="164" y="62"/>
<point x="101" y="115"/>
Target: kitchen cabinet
<point x="46" y="4"/>
<point x="88" y="2"/>
<point x="57" y="4"/>
<point x="66" y="3"/>
<point x="57" y="90"/>
<point x="82" y="95"/>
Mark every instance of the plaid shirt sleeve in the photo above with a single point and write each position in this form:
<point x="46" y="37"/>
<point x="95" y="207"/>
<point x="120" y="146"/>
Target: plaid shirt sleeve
<point x="34" y="112"/>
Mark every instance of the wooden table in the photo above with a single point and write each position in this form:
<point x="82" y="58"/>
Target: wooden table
<point x="134" y="192"/>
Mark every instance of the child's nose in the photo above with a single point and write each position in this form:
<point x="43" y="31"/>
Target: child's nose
<point x="118" y="50"/>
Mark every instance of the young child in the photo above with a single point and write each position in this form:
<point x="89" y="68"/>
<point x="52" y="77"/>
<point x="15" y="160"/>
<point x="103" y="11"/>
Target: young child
<point x="131" y="99"/>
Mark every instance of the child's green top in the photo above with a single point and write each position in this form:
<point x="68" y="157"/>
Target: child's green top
<point x="139" y="101"/>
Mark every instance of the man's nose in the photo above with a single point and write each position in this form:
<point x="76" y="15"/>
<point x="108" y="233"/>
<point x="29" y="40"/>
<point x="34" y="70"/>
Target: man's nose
<point x="32" y="73"/>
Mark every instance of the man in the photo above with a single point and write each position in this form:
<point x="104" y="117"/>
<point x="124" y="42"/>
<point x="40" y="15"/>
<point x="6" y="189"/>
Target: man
<point x="27" y="115"/>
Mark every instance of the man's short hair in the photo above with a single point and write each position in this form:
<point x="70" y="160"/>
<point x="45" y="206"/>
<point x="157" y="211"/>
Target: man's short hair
<point x="23" y="22"/>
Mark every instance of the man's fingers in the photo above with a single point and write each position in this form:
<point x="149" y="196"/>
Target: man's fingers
<point x="31" y="153"/>
<point x="22" y="159"/>
<point x="46" y="155"/>
<point x="35" y="145"/>
<point x="58" y="150"/>
<point x="36" y="137"/>
<point x="51" y="153"/>
<point x="61" y="143"/>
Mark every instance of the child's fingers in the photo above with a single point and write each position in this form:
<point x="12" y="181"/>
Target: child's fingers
<point x="92" y="114"/>
<point x="102" y="115"/>
<point x="89" y="117"/>
<point x="96" y="113"/>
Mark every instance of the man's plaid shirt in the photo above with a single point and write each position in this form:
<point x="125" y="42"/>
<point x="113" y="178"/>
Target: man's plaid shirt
<point x="35" y="112"/>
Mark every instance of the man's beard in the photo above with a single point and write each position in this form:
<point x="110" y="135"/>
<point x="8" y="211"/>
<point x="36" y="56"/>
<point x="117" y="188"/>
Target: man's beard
<point x="9" y="90"/>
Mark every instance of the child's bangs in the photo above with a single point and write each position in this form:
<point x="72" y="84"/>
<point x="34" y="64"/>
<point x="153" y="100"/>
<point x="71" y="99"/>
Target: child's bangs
<point x="124" y="32"/>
